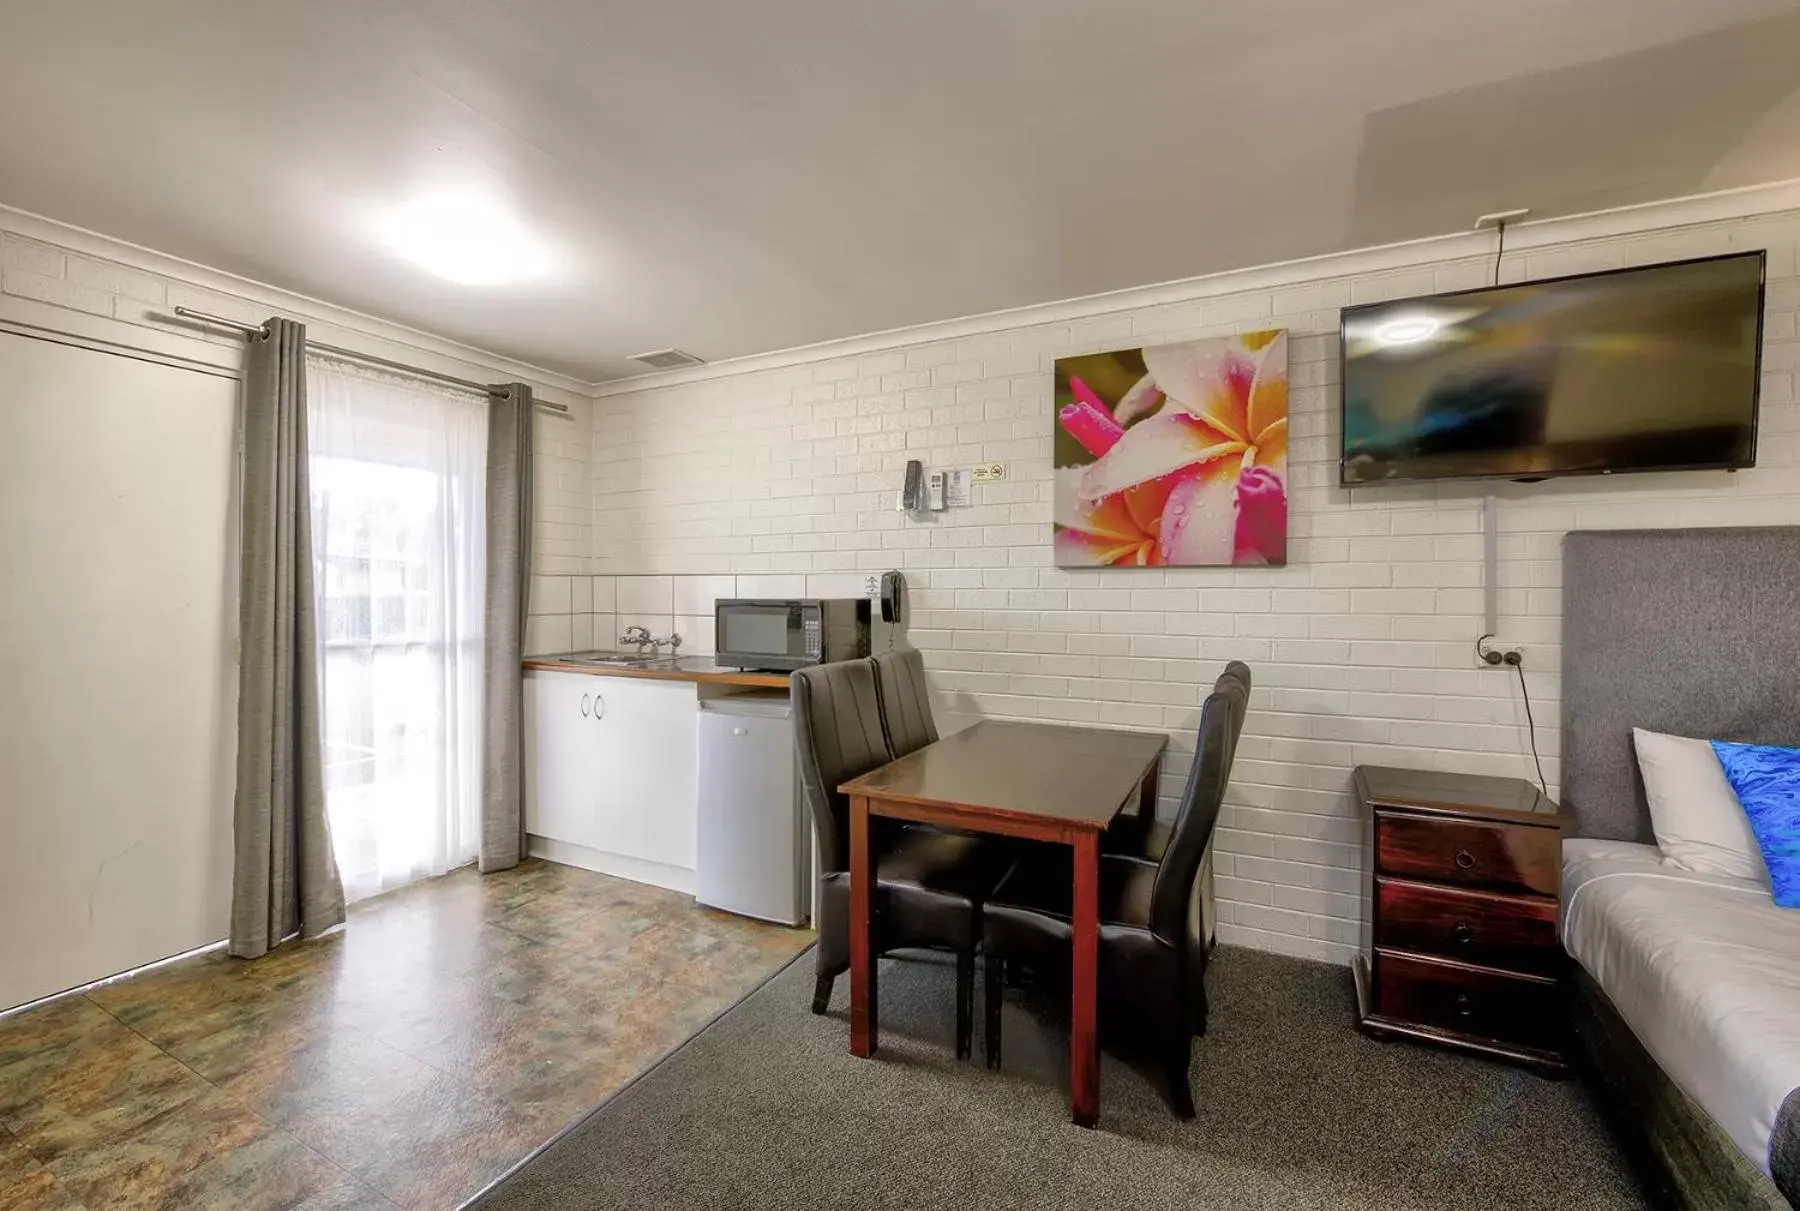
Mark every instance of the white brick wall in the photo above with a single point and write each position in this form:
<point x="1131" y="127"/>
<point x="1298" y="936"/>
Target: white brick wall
<point x="1361" y="646"/>
<point x="781" y="481"/>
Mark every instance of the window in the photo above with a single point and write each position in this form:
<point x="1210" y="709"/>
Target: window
<point x="397" y="476"/>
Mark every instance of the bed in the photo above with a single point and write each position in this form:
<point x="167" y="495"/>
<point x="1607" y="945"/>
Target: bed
<point x="1687" y="988"/>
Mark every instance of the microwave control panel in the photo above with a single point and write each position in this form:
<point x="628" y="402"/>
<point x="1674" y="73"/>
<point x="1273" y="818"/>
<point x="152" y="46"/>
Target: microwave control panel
<point x="811" y="637"/>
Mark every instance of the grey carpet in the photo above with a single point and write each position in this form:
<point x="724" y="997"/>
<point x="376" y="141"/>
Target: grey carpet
<point x="767" y="1109"/>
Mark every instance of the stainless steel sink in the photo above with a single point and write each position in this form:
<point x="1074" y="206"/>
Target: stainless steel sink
<point x="620" y="660"/>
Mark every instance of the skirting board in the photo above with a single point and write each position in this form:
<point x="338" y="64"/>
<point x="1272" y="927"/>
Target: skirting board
<point x="657" y="874"/>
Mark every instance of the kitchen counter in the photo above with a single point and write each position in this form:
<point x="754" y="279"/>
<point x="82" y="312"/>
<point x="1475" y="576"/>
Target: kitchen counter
<point x="695" y="669"/>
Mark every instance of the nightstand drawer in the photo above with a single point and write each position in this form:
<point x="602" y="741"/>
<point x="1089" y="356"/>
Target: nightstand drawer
<point x="1508" y="857"/>
<point x="1468" y="1000"/>
<point x="1514" y="932"/>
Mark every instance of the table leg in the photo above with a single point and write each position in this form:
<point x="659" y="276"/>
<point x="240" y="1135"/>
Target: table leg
<point x="863" y="1026"/>
<point x="1148" y="792"/>
<point x="1084" y="1050"/>
<point x="1134" y="828"/>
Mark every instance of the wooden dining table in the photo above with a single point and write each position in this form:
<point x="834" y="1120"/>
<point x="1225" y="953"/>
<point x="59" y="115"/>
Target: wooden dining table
<point x="1042" y="781"/>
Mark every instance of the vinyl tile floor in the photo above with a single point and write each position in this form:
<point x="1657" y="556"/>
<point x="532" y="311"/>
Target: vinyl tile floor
<point x="404" y="1062"/>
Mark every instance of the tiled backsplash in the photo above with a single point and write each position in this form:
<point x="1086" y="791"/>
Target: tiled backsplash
<point x="579" y="613"/>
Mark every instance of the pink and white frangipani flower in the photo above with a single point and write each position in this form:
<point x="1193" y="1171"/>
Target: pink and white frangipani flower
<point x="1227" y="405"/>
<point x="1177" y="486"/>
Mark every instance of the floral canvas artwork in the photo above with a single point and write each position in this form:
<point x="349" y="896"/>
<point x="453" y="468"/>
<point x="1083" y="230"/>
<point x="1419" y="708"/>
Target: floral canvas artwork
<point x="1174" y="455"/>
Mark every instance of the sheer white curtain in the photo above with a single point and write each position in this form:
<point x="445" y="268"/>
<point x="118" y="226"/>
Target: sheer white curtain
<point x="399" y="538"/>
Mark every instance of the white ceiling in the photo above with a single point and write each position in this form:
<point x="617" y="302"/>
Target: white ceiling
<point x="733" y="177"/>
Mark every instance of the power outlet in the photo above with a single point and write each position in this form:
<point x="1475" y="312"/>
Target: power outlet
<point x="872" y="586"/>
<point x="1498" y="657"/>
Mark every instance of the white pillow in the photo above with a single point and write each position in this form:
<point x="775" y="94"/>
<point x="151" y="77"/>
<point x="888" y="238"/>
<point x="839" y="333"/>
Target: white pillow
<point x="1698" y="822"/>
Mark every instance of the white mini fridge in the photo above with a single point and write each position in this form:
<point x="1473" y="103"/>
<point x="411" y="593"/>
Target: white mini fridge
<point x="753" y="851"/>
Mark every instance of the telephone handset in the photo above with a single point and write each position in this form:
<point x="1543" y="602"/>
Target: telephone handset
<point x="912" y="489"/>
<point x="892" y="585"/>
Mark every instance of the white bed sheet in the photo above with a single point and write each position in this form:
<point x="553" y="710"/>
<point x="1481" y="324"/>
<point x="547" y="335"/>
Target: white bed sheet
<point x="1703" y="968"/>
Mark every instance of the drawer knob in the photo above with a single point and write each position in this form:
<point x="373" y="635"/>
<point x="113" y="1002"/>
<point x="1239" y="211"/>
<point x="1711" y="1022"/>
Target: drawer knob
<point x="1460" y="932"/>
<point x="1464" y="1005"/>
<point x="1464" y="860"/>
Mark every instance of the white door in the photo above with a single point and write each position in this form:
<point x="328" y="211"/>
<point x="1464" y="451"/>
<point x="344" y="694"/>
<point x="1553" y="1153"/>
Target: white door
<point x="118" y="679"/>
<point x="561" y="745"/>
<point x="645" y="772"/>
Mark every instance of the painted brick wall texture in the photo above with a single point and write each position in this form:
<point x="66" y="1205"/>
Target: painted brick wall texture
<point x="1361" y="646"/>
<point x="782" y="482"/>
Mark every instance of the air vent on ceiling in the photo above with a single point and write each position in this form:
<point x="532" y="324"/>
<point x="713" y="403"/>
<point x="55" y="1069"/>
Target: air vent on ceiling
<point x="667" y="359"/>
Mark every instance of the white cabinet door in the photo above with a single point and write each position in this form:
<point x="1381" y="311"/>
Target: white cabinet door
<point x="561" y="748"/>
<point x="646" y="799"/>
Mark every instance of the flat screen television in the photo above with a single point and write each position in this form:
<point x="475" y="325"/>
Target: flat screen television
<point x="1648" y="369"/>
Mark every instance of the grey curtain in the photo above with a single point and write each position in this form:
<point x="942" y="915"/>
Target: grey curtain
<point x="284" y="879"/>
<point x="508" y="574"/>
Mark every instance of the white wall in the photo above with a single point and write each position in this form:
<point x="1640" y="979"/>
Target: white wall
<point x="780" y="472"/>
<point x="1361" y="646"/>
<point x="66" y="280"/>
<point x="119" y="685"/>
<point x="117" y="674"/>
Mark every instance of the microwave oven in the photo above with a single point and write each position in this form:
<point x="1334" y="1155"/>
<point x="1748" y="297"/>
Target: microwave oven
<point x="783" y="634"/>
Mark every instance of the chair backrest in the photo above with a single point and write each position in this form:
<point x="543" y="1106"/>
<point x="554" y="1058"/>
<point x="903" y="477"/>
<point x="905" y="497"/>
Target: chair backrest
<point x="837" y="736"/>
<point x="1221" y="723"/>
<point x="905" y="702"/>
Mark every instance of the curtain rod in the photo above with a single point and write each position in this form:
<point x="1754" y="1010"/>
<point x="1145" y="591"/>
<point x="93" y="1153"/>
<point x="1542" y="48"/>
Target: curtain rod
<point x="351" y="355"/>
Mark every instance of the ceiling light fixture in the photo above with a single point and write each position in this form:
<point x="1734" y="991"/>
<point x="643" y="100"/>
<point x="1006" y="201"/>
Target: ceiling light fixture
<point x="466" y="239"/>
<point x="1407" y="331"/>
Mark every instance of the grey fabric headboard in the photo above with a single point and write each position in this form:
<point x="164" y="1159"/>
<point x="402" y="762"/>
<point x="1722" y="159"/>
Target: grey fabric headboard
<point x="1693" y="632"/>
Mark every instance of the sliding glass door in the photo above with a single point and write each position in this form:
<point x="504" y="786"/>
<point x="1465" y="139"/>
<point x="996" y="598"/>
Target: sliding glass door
<point x="398" y="476"/>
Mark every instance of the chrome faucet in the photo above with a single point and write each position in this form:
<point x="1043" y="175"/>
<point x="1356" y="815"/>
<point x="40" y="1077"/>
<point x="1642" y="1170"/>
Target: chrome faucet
<point x="640" y="638"/>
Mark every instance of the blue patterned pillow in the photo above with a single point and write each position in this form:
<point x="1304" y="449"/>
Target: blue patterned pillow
<point x="1766" y="780"/>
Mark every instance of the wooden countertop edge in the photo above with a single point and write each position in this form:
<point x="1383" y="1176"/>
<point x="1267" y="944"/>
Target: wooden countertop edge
<point x="771" y="681"/>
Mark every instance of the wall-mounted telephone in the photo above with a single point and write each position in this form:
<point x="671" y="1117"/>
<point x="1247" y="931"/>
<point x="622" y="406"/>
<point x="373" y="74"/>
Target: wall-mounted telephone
<point x="912" y="491"/>
<point x="892" y="586"/>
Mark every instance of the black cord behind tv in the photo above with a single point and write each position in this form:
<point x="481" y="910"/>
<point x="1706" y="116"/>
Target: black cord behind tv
<point x="1655" y="368"/>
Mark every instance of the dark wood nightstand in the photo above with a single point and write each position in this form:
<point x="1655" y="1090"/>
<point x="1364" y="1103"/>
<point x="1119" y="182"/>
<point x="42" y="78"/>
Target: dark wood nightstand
<point x="1465" y="891"/>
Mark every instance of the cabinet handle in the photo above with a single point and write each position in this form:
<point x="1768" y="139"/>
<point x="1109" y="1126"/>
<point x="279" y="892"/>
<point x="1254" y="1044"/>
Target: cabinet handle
<point x="599" y="707"/>
<point x="1464" y="859"/>
<point x="1462" y="933"/>
<point x="584" y="705"/>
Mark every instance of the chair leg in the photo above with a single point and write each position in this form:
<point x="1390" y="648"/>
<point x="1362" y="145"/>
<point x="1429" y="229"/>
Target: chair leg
<point x="965" y="1003"/>
<point x="994" y="969"/>
<point x="1181" y="1094"/>
<point x="822" y="992"/>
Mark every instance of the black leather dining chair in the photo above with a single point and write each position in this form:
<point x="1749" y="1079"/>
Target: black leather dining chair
<point x="1141" y="835"/>
<point x="1152" y="946"/>
<point x="930" y="884"/>
<point x="905" y="701"/>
